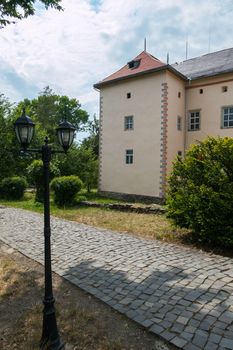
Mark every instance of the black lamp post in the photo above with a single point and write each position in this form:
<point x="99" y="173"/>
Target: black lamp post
<point x="24" y="129"/>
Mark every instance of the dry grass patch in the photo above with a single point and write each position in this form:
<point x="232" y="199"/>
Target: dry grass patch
<point x="146" y="225"/>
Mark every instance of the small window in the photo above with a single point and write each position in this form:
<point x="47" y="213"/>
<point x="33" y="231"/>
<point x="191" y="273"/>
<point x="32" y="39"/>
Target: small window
<point x="129" y="156"/>
<point x="194" y="121"/>
<point x="179" y="123"/>
<point x="134" y="64"/>
<point x="227" y="117"/>
<point x="128" y="94"/>
<point x="179" y="94"/>
<point x="129" y="122"/>
<point x="201" y="91"/>
<point x="224" y="88"/>
<point x="179" y="153"/>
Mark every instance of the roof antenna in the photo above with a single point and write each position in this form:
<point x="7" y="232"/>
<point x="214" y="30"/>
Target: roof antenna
<point x="186" y="54"/>
<point x="209" y="38"/>
<point x="168" y="58"/>
<point x="145" y="44"/>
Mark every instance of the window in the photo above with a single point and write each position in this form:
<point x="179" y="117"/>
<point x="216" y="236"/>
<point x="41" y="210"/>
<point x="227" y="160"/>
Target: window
<point x="201" y="91"/>
<point x="194" y="120"/>
<point x="128" y="94"/>
<point x="179" y="123"/>
<point x="179" y="94"/>
<point x="179" y="153"/>
<point x="134" y="64"/>
<point x="227" y="117"/>
<point x="129" y="156"/>
<point x="129" y="123"/>
<point x="224" y="88"/>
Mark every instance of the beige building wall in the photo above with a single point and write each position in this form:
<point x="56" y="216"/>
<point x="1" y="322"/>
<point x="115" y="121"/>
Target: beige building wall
<point x="143" y="176"/>
<point x="210" y="104"/>
<point x="176" y="108"/>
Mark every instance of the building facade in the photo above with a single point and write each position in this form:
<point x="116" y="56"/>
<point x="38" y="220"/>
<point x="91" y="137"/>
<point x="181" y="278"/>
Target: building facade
<point x="150" y="112"/>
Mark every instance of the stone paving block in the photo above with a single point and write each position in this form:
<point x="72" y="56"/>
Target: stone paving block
<point x="186" y="335"/>
<point x="200" y="340"/>
<point x="182" y="320"/>
<point x="178" y="341"/>
<point x="157" y="329"/>
<point x="177" y="328"/>
<point x="227" y="343"/>
<point x="211" y="346"/>
<point x="167" y="335"/>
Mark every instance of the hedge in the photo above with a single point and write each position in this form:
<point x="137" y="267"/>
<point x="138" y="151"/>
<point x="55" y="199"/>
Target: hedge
<point x="65" y="189"/>
<point x="13" y="187"/>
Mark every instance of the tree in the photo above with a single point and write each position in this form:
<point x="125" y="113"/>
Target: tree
<point x="200" y="194"/>
<point x="36" y="177"/>
<point x="92" y="141"/>
<point x="19" y="9"/>
<point x="48" y="109"/>
<point x="7" y="161"/>
<point x="80" y="161"/>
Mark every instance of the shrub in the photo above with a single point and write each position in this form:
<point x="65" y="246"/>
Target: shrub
<point x="80" y="198"/>
<point x="200" y="193"/>
<point x="13" y="187"/>
<point x="35" y="177"/>
<point x="65" y="189"/>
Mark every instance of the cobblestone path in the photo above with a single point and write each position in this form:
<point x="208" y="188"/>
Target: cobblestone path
<point x="183" y="295"/>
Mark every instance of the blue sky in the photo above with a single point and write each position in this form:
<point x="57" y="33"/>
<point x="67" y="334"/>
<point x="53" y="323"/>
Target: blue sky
<point x="90" y="39"/>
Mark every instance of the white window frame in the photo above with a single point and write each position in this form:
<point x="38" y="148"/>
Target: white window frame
<point x="179" y="123"/>
<point x="227" y="117"/>
<point x="129" y="156"/>
<point x="129" y="122"/>
<point x="194" y="120"/>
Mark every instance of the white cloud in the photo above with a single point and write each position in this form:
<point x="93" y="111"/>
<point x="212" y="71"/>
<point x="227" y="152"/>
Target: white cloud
<point x="72" y="50"/>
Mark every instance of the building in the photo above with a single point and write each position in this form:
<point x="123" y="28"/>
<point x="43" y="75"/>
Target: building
<point x="150" y="112"/>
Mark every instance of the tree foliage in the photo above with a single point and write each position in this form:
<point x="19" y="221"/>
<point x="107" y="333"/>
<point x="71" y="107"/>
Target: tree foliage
<point x="81" y="161"/>
<point x="35" y="177"/>
<point x="46" y="111"/>
<point x="18" y="9"/>
<point x="200" y="194"/>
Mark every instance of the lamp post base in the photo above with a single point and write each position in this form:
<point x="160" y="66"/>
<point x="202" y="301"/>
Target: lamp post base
<point x="45" y="344"/>
<point x="50" y="339"/>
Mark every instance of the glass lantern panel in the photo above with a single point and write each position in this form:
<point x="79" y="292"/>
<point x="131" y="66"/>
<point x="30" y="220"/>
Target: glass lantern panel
<point x="23" y="134"/>
<point x="30" y="133"/>
<point x="65" y="137"/>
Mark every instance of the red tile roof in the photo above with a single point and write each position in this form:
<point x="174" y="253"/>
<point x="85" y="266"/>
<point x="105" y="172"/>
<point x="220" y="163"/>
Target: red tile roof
<point x="147" y="63"/>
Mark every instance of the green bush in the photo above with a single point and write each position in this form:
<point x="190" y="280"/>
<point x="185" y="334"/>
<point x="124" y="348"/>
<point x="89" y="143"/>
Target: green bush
<point x="65" y="189"/>
<point x="200" y="193"/>
<point x="13" y="187"/>
<point x="80" y="198"/>
<point x="35" y="177"/>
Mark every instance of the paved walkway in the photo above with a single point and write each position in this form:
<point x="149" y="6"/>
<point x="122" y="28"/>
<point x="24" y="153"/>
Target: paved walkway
<point x="180" y="294"/>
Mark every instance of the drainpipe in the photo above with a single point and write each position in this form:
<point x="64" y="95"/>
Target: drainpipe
<point x="186" y="117"/>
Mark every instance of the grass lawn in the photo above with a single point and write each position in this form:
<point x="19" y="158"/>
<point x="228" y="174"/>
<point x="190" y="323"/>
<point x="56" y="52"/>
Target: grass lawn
<point x="84" y="322"/>
<point x="146" y="225"/>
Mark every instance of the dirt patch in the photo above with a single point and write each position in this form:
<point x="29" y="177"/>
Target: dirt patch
<point x="84" y="322"/>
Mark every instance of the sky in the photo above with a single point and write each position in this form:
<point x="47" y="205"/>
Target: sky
<point x="73" y="49"/>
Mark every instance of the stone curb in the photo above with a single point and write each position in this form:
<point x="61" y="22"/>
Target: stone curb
<point x="155" y="209"/>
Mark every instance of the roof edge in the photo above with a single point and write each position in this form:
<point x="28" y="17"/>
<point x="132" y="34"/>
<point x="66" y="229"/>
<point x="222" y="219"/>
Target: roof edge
<point x="153" y="70"/>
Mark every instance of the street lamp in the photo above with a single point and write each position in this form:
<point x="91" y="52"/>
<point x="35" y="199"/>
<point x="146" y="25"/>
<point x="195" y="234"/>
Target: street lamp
<point x="24" y="129"/>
